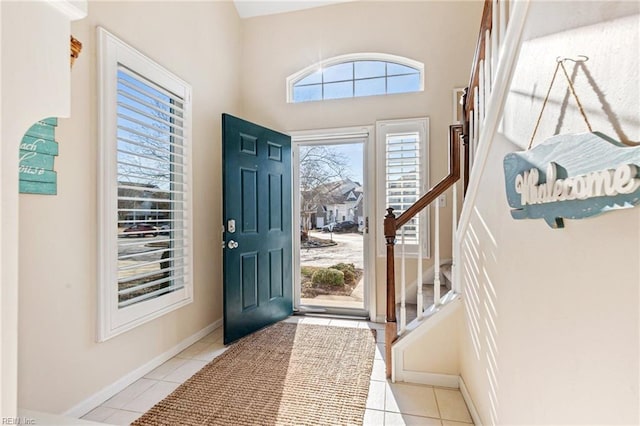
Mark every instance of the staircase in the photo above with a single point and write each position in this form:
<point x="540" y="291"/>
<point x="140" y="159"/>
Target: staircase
<point x="490" y="71"/>
<point x="428" y="294"/>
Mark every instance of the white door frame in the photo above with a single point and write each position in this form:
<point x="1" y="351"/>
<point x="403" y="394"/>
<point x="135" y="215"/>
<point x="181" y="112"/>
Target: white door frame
<point x="328" y="136"/>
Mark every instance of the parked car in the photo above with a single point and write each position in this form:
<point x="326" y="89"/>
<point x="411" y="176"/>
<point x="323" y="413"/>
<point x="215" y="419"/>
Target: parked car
<point x="141" y="230"/>
<point x="328" y="227"/>
<point x="345" y="226"/>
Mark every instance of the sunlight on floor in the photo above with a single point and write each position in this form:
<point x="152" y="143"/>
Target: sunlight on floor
<point x="388" y="403"/>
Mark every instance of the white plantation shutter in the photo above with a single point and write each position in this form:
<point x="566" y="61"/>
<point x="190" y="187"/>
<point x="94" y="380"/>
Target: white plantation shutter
<point x="145" y="200"/>
<point x="402" y="147"/>
<point x="151" y="189"/>
<point x="403" y="177"/>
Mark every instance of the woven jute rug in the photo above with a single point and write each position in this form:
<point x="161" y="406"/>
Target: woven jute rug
<point x="286" y="374"/>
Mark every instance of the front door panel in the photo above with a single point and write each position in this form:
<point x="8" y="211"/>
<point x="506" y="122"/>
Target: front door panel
<point x="257" y="203"/>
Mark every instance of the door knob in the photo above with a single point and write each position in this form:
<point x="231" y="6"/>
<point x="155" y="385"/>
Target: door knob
<point x="232" y="244"/>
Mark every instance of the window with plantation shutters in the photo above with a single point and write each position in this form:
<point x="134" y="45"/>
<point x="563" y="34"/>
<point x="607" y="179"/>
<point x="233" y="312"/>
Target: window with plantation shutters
<point x="145" y="248"/>
<point x="403" y="158"/>
<point x="403" y="177"/>
<point x="151" y="190"/>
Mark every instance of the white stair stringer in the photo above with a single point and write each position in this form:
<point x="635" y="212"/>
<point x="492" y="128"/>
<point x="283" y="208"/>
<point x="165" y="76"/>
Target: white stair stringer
<point x="427" y="352"/>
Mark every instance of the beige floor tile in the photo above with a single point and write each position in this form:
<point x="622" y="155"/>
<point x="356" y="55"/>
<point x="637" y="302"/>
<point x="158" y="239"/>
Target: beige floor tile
<point x="371" y="325"/>
<point x="452" y="405"/>
<point x="344" y="323"/>
<point x="293" y="319"/>
<point x="122" y="417"/>
<point x="316" y="321"/>
<point x="379" y="370"/>
<point x="452" y="423"/>
<point x="411" y="399"/>
<point x="373" y="418"/>
<point x="185" y="371"/>
<point x="397" y="419"/>
<point x="192" y="350"/>
<point x="99" y="414"/>
<point x="130" y="392"/>
<point x="165" y="369"/>
<point x="210" y="352"/>
<point x="151" y="396"/>
<point x="214" y="336"/>
<point x="375" y="400"/>
<point x="380" y="351"/>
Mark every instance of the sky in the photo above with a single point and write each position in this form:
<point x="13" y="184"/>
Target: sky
<point x="352" y="153"/>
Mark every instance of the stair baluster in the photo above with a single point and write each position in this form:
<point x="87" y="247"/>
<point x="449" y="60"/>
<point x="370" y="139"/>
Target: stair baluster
<point x="436" y="255"/>
<point x="403" y="284"/>
<point x="419" y="301"/>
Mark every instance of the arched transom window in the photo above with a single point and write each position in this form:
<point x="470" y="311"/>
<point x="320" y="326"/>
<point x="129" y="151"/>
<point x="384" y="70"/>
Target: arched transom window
<point x="361" y="74"/>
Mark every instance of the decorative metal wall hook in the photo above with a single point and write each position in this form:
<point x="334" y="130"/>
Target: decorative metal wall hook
<point x="576" y="59"/>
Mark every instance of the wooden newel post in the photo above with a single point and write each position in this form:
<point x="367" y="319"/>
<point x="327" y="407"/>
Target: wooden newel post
<point x="391" y="329"/>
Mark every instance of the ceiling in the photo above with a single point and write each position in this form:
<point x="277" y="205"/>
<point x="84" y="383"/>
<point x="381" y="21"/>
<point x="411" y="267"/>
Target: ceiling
<point x="251" y="8"/>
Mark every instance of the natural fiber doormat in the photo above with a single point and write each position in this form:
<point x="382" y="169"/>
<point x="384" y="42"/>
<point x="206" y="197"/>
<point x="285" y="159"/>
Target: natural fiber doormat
<point x="286" y="374"/>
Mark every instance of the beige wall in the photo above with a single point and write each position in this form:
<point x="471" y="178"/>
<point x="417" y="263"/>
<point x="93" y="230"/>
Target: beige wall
<point x="551" y="330"/>
<point x="440" y="34"/>
<point x="60" y="363"/>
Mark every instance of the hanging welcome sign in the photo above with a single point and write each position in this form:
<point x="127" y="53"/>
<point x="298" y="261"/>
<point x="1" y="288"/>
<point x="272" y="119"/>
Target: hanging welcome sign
<point x="572" y="176"/>
<point x="38" y="150"/>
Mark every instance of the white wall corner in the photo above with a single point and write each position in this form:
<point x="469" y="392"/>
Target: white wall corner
<point x="104" y="394"/>
<point x="73" y="9"/>
<point x="473" y="411"/>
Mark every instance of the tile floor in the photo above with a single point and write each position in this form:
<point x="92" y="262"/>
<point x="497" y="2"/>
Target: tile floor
<point x="388" y="403"/>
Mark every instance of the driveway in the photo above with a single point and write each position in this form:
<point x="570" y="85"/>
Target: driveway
<point x="348" y="250"/>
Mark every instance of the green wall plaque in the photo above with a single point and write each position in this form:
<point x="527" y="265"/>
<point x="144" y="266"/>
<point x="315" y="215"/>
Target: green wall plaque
<point x="38" y="150"/>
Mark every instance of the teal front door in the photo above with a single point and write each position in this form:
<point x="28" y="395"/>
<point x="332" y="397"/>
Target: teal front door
<point x="257" y="217"/>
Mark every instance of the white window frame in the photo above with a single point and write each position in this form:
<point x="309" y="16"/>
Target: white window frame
<point x="351" y="57"/>
<point x="111" y="319"/>
<point x="384" y="128"/>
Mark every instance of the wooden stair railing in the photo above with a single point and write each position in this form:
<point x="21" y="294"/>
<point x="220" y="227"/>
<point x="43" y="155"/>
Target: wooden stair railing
<point x="495" y="13"/>
<point x="392" y="224"/>
<point x="480" y="55"/>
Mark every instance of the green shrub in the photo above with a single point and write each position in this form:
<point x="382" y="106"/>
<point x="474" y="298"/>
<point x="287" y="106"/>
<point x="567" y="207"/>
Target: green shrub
<point x="349" y="271"/>
<point x="328" y="276"/>
<point x="307" y="271"/>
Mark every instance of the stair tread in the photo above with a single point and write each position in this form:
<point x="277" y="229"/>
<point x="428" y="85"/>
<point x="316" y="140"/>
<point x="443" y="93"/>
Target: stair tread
<point x="446" y="270"/>
<point x="427" y="300"/>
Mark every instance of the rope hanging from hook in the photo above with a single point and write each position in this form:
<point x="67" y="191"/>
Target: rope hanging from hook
<point x="560" y="65"/>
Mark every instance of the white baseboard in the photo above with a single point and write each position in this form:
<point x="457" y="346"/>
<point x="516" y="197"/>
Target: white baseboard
<point x="101" y="396"/>
<point x="473" y="411"/>
<point x="431" y="379"/>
